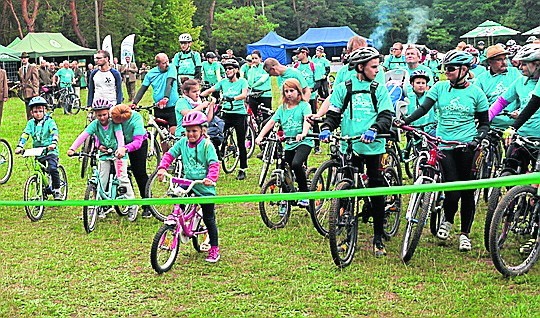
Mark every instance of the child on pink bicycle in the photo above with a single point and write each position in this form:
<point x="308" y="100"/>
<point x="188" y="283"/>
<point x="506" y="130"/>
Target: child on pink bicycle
<point x="199" y="162"/>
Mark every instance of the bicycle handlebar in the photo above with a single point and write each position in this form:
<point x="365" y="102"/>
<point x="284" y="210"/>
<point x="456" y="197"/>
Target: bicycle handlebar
<point x="185" y="185"/>
<point x="434" y="140"/>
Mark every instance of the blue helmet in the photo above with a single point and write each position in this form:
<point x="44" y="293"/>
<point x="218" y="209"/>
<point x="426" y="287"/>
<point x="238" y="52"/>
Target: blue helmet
<point x="455" y="57"/>
<point x="37" y="101"/>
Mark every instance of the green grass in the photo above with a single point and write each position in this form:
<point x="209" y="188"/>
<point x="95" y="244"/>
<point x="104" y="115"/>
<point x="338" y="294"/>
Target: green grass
<point x="52" y="268"/>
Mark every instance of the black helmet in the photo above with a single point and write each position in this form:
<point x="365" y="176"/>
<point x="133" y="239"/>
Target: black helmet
<point x="211" y="55"/>
<point x="230" y="62"/>
<point x="362" y="56"/>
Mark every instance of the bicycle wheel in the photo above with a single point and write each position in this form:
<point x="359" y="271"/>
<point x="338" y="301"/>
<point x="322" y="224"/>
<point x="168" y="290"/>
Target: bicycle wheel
<point x="153" y="155"/>
<point x="201" y="242"/>
<point x="392" y="160"/>
<point x="250" y="140"/>
<point x="494" y="198"/>
<point x="420" y="206"/>
<point x="343" y="228"/>
<point x="73" y="103"/>
<point x="33" y="191"/>
<point x="324" y="179"/>
<point x="90" y="213"/>
<point x="6" y="161"/>
<point x="408" y="156"/>
<point x="156" y="189"/>
<point x="88" y="147"/>
<point x="164" y="249"/>
<point x="274" y="214"/>
<point x="480" y="163"/>
<point x="63" y="182"/>
<point x="437" y="214"/>
<point x="268" y="159"/>
<point x="229" y="151"/>
<point x="50" y="101"/>
<point x="392" y="210"/>
<point x="514" y="226"/>
<point x="493" y="165"/>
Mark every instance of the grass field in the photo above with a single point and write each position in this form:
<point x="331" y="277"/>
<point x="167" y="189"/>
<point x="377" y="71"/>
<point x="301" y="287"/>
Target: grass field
<point x="52" y="268"/>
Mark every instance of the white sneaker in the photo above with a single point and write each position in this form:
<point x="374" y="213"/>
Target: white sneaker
<point x="444" y="230"/>
<point x="464" y="243"/>
<point x="132" y="213"/>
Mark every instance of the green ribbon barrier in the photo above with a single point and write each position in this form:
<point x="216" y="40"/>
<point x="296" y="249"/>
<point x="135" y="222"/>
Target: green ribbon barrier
<point x="526" y="179"/>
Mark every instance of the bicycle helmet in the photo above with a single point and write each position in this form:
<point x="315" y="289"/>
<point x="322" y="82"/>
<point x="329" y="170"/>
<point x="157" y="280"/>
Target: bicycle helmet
<point x="362" y="56"/>
<point x="211" y="55"/>
<point x="194" y="118"/>
<point x="472" y="51"/>
<point x="230" y="62"/>
<point x="101" y="103"/>
<point x="433" y="52"/>
<point x="419" y="74"/>
<point x="513" y="50"/>
<point x="455" y="57"/>
<point x="531" y="39"/>
<point x="185" y="37"/>
<point x="37" y="101"/>
<point x="510" y="42"/>
<point x="529" y="53"/>
<point x="481" y="43"/>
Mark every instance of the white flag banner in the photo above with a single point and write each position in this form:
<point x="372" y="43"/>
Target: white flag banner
<point x="126" y="49"/>
<point x="107" y="46"/>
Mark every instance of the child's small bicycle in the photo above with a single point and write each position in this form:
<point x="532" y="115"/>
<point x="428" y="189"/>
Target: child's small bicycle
<point x="183" y="224"/>
<point x="96" y="190"/>
<point x="39" y="185"/>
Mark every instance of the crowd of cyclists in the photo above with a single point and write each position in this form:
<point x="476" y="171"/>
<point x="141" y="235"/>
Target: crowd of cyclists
<point x="457" y="96"/>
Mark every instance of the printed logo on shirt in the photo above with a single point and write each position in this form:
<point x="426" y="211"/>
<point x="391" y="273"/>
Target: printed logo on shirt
<point x="499" y="90"/>
<point x="456" y="106"/>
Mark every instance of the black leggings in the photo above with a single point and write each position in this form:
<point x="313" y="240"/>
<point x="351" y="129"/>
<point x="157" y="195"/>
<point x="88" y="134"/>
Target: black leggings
<point x="254" y="105"/>
<point x="296" y="158"/>
<point x="239" y="123"/>
<point x="457" y="166"/>
<point x="209" y="218"/>
<point x="313" y="104"/>
<point x="137" y="160"/>
<point x="373" y="171"/>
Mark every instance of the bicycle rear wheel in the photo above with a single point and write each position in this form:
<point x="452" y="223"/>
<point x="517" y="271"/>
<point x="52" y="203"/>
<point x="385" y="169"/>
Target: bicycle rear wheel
<point x="343" y="228"/>
<point x="324" y="179"/>
<point x="419" y="205"/>
<point x="494" y="198"/>
<point x="392" y="206"/>
<point x="229" y="151"/>
<point x="6" y="161"/>
<point x="88" y="147"/>
<point x="73" y="103"/>
<point x="274" y="214"/>
<point x="90" y="213"/>
<point x="250" y="140"/>
<point x="164" y="249"/>
<point x="33" y="191"/>
<point x="513" y="235"/>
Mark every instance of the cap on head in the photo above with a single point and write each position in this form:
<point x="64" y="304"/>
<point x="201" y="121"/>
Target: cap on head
<point x="24" y="55"/>
<point x="320" y="48"/>
<point x="301" y="49"/>
<point x="495" y="50"/>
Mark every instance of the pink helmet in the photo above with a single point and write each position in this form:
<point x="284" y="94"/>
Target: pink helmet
<point x="194" y="118"/>
<point x="472" y="51"/>
<point x="433" y="52"/>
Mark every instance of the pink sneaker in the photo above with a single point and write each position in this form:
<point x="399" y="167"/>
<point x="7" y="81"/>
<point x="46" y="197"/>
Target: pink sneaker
<point x="213" y="254"/>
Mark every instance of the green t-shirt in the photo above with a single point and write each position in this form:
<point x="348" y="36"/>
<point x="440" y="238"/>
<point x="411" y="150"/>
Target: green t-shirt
<point x="292" y="73"/>
<point x="321" y="62"/>
<point x="65" y="77"/>
<point x="521" y="92"/>
<point x="433" y="65"/>
<point x="495" y="85"/>
<point x="134" y="126"/>
<point x="181" y="105"/>
<point x="195" y="162"/>
<point x="414" y="102"/>
<point x="292" y="121"/>
<point x="536" y="90"/>
<point x="310" y="75"/>
<point x="232" y="89"/>
<point x="259" y="80"/>
<point x="455" y="109"/>
<point x="43" y="133"/>
<point x="185" y="63"/>
<point x="105" y="135"/>
<point x="243" y="70"/>
<point x="210" y="72"/>
<point x="391" y="62"/>
<point x="363" y="115"/>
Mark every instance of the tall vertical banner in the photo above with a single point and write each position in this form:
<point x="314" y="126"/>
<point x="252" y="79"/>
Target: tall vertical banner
<point x="126" y="49"/>
<point x="107" y="46"/>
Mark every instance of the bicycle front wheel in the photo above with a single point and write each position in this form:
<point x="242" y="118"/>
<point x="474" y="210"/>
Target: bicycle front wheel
<point x="267" y="158"/>
<point x="33" y="191"/>
<point x="73" y="103"/>
<point x="90" y="213"/>
<point x="392" y="204"/>
<point x="153" y="155"/>
<point x="88" y="147"/>
<point x="513" y="234"/>
<point x="493" y="200"/>
<point x="229" y="151"/>
<point x="250" y="140"/>
<point x="156" y="189"/>
<point x="164" y="249"/>
<point x="274" y="214"/>
<point x="324" y="179"/>
<point x="6" y="161"/>
<point x="419" y="205"/>
<point x="63" y="182"/>
<point x="343" y="228"/>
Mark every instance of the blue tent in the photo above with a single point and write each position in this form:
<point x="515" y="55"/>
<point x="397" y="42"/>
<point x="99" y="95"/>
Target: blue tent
<point x="272" y="45"/>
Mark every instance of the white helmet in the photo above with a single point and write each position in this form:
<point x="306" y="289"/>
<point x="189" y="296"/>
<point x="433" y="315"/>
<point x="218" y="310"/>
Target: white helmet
<point x="528" y="53"/>
<point x="185" y="37"/>
<point x="510" y="42"/>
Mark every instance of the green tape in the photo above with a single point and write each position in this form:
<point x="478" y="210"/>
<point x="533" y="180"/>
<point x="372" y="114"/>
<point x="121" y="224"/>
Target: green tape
<point x="526" y="179"/>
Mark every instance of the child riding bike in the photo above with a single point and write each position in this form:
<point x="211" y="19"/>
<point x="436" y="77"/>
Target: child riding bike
<point x="199" y="162"/>
<point x="110" y="137"/>
<point x="44" y="132"/>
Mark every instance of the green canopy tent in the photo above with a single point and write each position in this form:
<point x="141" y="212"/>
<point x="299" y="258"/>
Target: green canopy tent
<point x="15" y="41"/>
<point x="535" y="31"/>
<point x="489" y="29"/>
<point x="50" y="45"/>
<point x="8" y="55"/>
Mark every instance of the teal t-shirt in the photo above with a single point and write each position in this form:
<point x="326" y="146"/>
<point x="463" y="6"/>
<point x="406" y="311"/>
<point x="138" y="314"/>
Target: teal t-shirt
<point x="195" y="162"/>
<point x="321" y="62"/>
<point x="158" y="80"/>
<point x="434" y="66"/>
<point x="477" y="70"/>
<point x="105" y="135"/>
<point x="232" y="89"/>
<point x="310" y="75"/>
<point x="185" y="63"/>
<point x="259" y="80"/>
<point x="495" y="85"/>
<point x="65" y="77"/>
<point x="134" y="126"/>
<point x="363" y="115"/>
<point x="455" y="109"/>
<point x="43" y="132"/>
<point x="181" y="105"/>
<point x="521" y="92"/>
<point x="414" y="102"/>
<point x="536" y="90"/>
<point x="292" y="73"/>
<point x="391" y="62"/>
<point x="292" y="121"/>
<point x="210" y="72"/>
<point x="243" y="70"/>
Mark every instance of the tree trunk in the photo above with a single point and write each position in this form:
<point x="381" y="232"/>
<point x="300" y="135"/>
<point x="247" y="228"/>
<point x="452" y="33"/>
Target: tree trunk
<point x="296" y="18"/>
<point x="75" y="23"/>
<point x="19" y="27"/>
<point x="208" y="27"/>
<point x="30" y="20"/>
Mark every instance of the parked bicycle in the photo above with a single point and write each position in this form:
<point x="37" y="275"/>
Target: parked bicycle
<point x="255" y="123"/>
<point x="514" y="241"/>
<point x="425" y="204"/>
<point x="182" y="225"/>
<point x="6" y="161"/>
<point x="38" y="187"/>
<point x="61" y="98"/>
<point x="487" y="162"/>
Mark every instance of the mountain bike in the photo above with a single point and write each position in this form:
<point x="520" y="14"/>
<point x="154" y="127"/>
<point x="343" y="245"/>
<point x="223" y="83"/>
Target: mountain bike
<point x="182" y="225"/>
<point x="345" y="213"/>
<point x="38" y="186"/>
<point x="61" y="98"/>
<point x="487" y="162"/>
<point x="425" y="204"/>
<point x="96" y="190"/>
<point x="6" y="161"/>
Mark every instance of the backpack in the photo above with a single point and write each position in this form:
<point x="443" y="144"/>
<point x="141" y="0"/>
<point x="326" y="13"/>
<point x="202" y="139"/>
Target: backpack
<point x="185" y="58"/>
<point x="347" y="102"/>
<point x="215" y="128"/>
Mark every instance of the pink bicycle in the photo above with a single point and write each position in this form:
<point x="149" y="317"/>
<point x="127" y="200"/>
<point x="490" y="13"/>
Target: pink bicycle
<point x="182" y="225"/>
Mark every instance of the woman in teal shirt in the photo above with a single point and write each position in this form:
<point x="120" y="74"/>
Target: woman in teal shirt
<point x="259" y="83"/>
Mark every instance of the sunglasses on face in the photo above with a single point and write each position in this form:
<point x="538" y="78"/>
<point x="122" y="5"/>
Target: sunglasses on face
<point x="229" y="68"/>
<point x="451" y="68"/>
